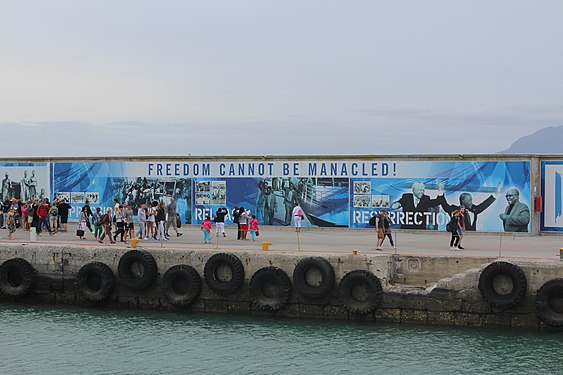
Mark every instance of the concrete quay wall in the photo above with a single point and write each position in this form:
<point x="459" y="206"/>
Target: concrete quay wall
<point x="416" y="289"/>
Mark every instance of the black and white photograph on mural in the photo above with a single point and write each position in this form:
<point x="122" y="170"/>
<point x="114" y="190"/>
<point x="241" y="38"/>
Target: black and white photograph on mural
<point x="24" y="183"/>
<point x="219" y="193"/>
<point x="202" y="199"/>
<point x="202" y="186"/>
<point x="93" y="197"/>
<point x="362" y="201"/>
<point x="63" y="195"/>
<point x="77" y="197"/>
<point x="362" y="187"/>
<point x="380" y="201"/>
<point x="146" y="190"/>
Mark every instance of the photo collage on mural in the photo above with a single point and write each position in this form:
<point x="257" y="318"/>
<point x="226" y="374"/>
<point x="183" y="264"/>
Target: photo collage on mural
<point x="552" y="191"/>
<point x="417" y="194"/>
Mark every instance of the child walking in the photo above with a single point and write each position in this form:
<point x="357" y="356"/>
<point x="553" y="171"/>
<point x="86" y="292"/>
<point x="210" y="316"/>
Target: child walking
<point x="206" y="228"/>
<point x="254" y="227"/>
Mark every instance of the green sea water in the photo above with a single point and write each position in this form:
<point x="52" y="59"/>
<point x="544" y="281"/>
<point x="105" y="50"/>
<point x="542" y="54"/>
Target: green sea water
<point x="59" y="340"/>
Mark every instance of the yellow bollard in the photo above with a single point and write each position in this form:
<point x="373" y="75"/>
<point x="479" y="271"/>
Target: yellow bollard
<point x="134" y="241"/>
<point x="561" y="253"/>
<point x="266" y="245"/>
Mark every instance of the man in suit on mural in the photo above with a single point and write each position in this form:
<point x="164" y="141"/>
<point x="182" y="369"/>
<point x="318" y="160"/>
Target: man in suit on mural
<point x="516" y="216"/>
<point x="471" y="210"/>
<point x="416" y="206"/>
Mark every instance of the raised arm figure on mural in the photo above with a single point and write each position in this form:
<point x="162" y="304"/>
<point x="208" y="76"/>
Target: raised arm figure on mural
<point x="416" y="204"/>
<point x="471" y="210"/>
<point x="516" y="216"/>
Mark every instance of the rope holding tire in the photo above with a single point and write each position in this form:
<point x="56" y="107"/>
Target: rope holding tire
<point x="95" y="281"/>
<point x="137" y="269"/>
<point x="270" y="288"/>
<point x="17" y="277"/>
<point x="549" y="303"/>
<point x="301" y="275"/>
<point x="494" y="292"/>
<point x="223" y="283"/>
<point x="181" y="285"/>
<point x="361" y="292"/>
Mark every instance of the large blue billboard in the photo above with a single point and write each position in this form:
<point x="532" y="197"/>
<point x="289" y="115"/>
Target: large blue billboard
<point x="418" y="194"/>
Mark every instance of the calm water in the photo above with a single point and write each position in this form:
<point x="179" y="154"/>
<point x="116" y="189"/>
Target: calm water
<point x="57" y="340"/>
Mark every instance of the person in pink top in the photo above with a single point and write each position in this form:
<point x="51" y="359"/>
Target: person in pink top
<point x="254" y="227"/>
<point x="206" y="228"/>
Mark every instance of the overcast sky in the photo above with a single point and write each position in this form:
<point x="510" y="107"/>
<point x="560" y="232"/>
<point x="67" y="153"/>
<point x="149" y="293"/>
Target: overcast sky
<point x="261" y="77"/>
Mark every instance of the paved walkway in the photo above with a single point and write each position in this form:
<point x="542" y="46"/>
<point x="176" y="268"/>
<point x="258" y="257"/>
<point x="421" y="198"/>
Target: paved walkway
<point x="284" y="239"/>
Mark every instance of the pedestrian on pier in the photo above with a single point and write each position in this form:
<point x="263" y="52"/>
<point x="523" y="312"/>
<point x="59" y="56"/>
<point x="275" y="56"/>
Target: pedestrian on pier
<point x="106" y="222"/>
<point x="206" y="228"/>
<point x="453" y="227"/>
<point x="254" y="227"/>
<point x="383" y="229"/>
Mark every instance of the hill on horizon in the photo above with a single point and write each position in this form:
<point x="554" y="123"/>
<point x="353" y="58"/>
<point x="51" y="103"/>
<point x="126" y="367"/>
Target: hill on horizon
<point x="545" y="141"/>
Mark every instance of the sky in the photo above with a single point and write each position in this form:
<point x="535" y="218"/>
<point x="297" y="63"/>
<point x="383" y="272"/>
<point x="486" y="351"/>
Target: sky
<point x="263" y="77"/>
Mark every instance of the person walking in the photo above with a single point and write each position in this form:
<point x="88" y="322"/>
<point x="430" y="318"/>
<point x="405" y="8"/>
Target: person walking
<point x="206" y="229"/>
<point x="142" y="219"/>
<point x="43" y="216"/>
<point x="129" y="221"/>
<point x="244" y="220"/>
<point x="53" y="216"/>
<point x="151" y="220"/>
<point x="160" y="222"/>
<point x="97" y="222"/>
<point x="461" y="229"/>
<point x="220" y="221"/>
<point x="383" y="229"/>
<point x="106" y="223"/>
<point x="172" y="217"/>
<point x="453" y="227"/>
<point x="298" y="216"/>
<point x="64" y="208"/>
<point x="88" y="213"/>
<point x="11" y="223"/>
<point x="254" y="227"/>
<point x="236" y="216"/>
<point x="120" y="224"/>
<point x="82" y="223"/>
<point x="25" y="215"/>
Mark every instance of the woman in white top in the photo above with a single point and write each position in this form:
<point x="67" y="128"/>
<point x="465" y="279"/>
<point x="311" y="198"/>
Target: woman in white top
<point x="297" y="217"/>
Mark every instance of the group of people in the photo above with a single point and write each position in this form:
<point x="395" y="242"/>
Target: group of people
<point x="34" y="213"/>
<point x="154" y="221"/>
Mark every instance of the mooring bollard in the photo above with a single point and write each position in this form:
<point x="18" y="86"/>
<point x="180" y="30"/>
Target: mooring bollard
<point x="561" y="253"/>
<point x="32" y="234"/>
<point x="266" y="245"/>
<point x="354" y="252"/>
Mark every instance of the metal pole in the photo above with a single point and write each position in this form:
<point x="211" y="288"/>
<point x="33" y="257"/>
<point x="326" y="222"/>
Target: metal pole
<point x="298" y="242"/>
<point x="500" y="246"/>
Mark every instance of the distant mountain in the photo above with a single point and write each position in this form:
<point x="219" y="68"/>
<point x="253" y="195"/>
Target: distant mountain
<point x="544" y="141"/>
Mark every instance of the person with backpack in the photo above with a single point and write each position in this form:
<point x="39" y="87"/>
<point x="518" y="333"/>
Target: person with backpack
<point x="236" y="216"/>
<point x="97" y="222"/>
<point x="53" y="216"/>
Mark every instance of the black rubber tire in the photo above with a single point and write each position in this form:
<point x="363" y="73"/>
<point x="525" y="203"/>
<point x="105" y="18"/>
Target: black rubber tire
<point x="141" y="278"/>
<point x="17" y="277"/>
<point x="220" y="286"/>
<point x="374" y="296"/>
<point x="95" y="281"/>
<point x="181" y="285"/>
<point x="300" y="277"/>
<point x="270" y="288"/>
<point x="503" y="301"/>
<point x="544" y="307"/>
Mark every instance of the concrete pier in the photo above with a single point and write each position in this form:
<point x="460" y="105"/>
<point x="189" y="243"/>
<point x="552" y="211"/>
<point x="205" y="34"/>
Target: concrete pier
<point x="418" y="286"/>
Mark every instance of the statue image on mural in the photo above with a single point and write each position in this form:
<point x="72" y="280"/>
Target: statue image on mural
<point x="25" y="188"/>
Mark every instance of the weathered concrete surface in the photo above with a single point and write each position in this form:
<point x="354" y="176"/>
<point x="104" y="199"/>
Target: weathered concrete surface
<point x="443" y="290"/>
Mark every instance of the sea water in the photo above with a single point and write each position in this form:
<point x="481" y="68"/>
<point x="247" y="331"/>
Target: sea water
<point x="61" y="340"/>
